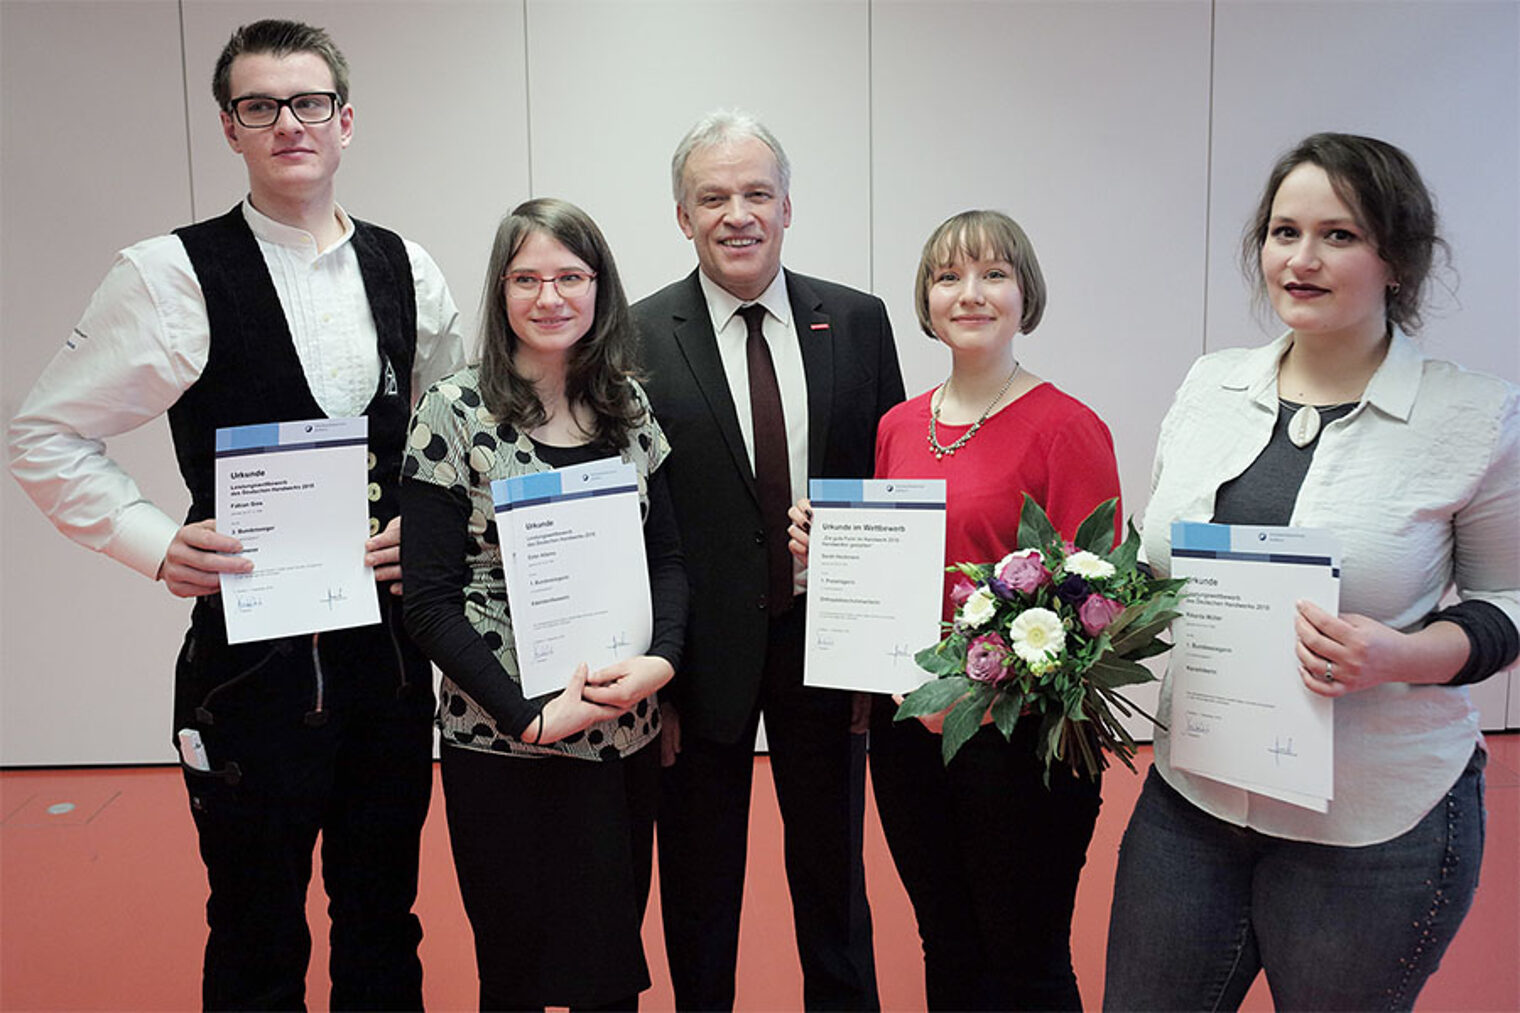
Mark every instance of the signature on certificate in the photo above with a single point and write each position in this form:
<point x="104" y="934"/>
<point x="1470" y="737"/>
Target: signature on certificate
<point x="899" y="652"/>
<point x="334" y="597"/>
<point x="1198" y="726"/>
<point x="1278" y="750"/>
<point x="619" y="641"/>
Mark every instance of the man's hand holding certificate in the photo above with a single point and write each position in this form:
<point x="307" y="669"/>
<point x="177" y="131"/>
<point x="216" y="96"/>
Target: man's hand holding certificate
<point x="294" y="494"/>
<point x="876" y="563"/>
<point x="1240" y="713"/>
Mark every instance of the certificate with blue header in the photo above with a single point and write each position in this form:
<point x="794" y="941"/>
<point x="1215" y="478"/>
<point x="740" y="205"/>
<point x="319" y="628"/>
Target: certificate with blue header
<point x="572" y="543"/>
<point x="1240" y="712"/>
<point x="294" y="493"/>
<point x="876" y="581"/>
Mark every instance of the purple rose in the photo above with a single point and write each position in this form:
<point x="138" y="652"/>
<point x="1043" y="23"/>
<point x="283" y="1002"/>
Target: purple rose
<point x="1073" y="590"/>
<point x="986" y="658"/>
<point x="960" y="591"/>
<point x="1097" y="612"/>
<point x="1023" y="571"/>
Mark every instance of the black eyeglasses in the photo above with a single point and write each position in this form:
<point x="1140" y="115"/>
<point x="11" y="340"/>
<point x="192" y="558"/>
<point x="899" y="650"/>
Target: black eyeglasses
<point x="255" y="111"/>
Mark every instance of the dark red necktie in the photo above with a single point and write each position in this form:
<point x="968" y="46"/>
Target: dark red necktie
<point x="773" y="476"/>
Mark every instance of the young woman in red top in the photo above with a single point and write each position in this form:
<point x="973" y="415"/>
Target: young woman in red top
<point x="990" y="857"/>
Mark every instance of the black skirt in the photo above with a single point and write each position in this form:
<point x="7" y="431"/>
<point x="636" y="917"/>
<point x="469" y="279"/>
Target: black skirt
<point x="553" y="859"/>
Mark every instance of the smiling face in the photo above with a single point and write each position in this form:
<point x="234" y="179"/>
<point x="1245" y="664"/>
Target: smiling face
<point x="734" y="211"/>
<point x="1320" y="263"/>
<point x="975" y="304"/>
<point x="289" y="160"/>
<point x="548" y="324"/>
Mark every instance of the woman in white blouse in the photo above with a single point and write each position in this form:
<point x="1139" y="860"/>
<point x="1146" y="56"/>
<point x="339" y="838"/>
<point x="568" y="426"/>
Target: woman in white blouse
<point x="1342" y="423"/>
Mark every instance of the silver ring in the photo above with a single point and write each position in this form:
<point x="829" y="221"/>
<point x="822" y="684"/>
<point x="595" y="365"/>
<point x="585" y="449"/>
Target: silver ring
<point x="1329" y="675"/>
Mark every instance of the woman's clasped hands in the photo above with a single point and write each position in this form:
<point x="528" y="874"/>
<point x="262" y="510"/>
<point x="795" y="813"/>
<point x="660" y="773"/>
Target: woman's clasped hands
<point x="597" y="696"/>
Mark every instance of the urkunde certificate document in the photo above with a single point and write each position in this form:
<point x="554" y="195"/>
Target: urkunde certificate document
<point x="876" y="578"/>
<point x="572" y="541"/>
<point x="294" y="494"/>
<point x="1240" y="713"/>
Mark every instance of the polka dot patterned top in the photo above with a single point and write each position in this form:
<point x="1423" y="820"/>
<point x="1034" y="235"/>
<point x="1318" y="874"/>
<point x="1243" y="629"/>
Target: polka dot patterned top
<point x="456" y="443"/>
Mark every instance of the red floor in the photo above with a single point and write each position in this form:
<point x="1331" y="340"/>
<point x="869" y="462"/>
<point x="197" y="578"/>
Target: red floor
<point x="102" y="894"/>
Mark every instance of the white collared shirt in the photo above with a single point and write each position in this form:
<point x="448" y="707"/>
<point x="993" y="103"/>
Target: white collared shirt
<point x="1421" y="483"/>
<point x="144" y="340"/>
<point x="780" y="331"/>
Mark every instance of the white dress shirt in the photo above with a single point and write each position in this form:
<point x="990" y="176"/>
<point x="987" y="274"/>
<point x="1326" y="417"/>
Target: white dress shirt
<point x="1421" y="483"/>
<point x="780" y="332"/>
<point x="144" y="340"/>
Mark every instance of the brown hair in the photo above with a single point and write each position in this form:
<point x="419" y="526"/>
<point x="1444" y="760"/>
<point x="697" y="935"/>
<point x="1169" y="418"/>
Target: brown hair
<point x="974" y="234"/>
<point x="600" y="364"/>
<point x="1383" y="189"/>
<point x="281" y="38"/>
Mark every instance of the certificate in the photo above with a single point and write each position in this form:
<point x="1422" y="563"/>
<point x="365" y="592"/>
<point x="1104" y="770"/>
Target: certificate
<point x="876" y="581"/>
<point x="294" y="494"/>
<point x="572" y="541"/>
<point x="1240" y="713"/>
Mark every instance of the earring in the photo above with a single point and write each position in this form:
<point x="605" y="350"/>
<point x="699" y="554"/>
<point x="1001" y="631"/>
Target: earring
<point x="1393" y="289"/>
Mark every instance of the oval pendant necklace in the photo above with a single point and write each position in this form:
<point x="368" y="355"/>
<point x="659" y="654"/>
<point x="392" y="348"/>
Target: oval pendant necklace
<point x="940" y="450"/>
<point x="1303" y="427"/>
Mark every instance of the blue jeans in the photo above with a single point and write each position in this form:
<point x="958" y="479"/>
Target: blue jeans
<point x="1200" y="906"/>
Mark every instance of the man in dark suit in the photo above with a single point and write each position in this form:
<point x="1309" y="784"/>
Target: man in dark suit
<point x="761" y="379"/>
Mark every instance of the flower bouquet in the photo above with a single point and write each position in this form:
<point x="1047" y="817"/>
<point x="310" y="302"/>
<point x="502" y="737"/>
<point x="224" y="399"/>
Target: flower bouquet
<point x="1050" y="632"/>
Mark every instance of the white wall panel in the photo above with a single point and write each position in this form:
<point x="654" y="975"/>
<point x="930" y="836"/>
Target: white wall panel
<point x="92" y="159"/>
<point x="614" y="86"/>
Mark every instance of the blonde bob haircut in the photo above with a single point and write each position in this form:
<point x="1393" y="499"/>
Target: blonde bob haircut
<point x="974" y="235"/>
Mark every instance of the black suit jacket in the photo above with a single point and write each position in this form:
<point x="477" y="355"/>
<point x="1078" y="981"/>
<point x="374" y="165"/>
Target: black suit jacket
<point x="852" y="379"/>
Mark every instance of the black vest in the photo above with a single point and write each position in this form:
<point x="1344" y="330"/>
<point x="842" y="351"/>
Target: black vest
<point x="253" y="373"/>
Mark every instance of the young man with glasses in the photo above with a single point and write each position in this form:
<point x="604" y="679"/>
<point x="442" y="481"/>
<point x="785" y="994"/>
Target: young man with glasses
<point x="285" y="308"/>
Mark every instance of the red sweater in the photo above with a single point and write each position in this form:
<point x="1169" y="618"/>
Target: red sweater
<point x="1046" y="443"/>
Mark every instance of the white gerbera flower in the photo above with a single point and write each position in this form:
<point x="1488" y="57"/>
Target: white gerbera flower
<point x="979" y="608"/>
<point x="1036" y="635"/>
<point x="1088" y="565"/>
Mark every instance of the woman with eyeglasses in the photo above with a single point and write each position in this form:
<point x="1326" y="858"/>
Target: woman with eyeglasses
<point x="1414" y="463"/>
<point x="550" y="801"/>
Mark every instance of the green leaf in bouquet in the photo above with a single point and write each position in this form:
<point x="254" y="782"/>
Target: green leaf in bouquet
<point x="1006" y="710"/>
<point x="1125" y="556"/>
<point x="963" y="722"/>
<point x="1138" y="635"/>
<point x="1048" y="741"/>
<point x="933" y="697"/>
<point x="948" y="657"/>
<point x="1123" y="619"/>
<point x="1166" y="585"/>
<point x="1150" y="650"/>
<point x="1096" y="533"/>
<point x="1085" y="759"/>
<point x="1035" y="529"/>
<point x="1111" y="671"/>
<point x="1126" y="706"/>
